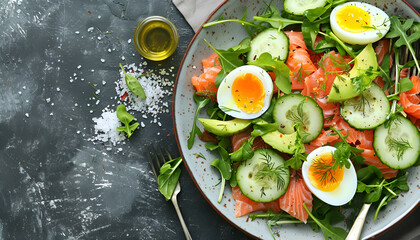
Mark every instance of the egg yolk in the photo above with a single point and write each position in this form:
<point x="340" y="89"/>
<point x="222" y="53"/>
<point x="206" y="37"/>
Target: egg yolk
<point x="248" y="93"/>
<point x="353" y="19"/>
<point x="321" y="174"/>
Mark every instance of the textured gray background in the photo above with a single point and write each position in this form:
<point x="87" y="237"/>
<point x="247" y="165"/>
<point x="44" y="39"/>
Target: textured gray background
<point x="54" y="184"/>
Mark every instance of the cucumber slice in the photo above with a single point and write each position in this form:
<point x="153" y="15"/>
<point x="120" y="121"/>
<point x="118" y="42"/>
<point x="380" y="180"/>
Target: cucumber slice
<point x="298" y="7"/>
<point x="263" y="178"/>
<point x="287" y="113"/>
<point x="366" y="111"/>
<point x="397" y="146"/>
<point x="272" y="41"/>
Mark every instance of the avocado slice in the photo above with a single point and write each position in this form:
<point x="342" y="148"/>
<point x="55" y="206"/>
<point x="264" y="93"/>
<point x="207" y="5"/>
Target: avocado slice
<point x="225" y="128"/>
<point x="343" y="88"/>
<point x="283" y="142"/>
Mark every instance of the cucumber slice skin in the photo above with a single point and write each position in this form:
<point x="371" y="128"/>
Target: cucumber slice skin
<point x="249" y="184"/>
<point x="272" y="41"/>
<point x="298" y="7"/>
<point x="311" y="108"/>
<point x="374" y="114"/>
<point x="402" y="129"/>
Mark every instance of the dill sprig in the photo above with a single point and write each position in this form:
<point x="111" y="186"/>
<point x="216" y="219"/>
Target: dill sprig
<point x="301" y="73"/>
<point x="362" y="104"/>
<point x="270" y="173"/>
<point x="325" y="170"/>
<point x="398" y="145"/>
<point x="299" y="118"/>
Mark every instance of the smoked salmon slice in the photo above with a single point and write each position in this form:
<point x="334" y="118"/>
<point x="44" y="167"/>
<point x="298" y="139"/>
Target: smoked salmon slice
<point x="297" y="193"/>
<point x="211" y="61"/>
<point x="319" y="83"/>
<point x="323" y="138"/>
<point x="295" y="40"/>
<point x="362" y="139"/>
<point x="372" y="159"/>
<point x="299" y="60"/>
<point x="410" y="100"/>
<point x="239" y="138"/>
<point x="244" y="205"/>
<point x="300" y="65"/>
<point x="204" y="84"/>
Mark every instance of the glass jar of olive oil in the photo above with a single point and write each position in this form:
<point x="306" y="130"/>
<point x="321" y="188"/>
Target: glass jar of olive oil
<point x="156" y="38"/>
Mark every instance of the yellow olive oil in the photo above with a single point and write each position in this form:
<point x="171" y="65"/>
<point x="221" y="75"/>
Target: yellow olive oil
<point x="156" y="38"/>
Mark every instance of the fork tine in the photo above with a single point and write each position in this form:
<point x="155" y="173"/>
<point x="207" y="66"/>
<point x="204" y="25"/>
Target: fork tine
<point x="159" y="153"/>
<point x="156" y="156"/>
<point x="167" y="152"/>
<point x="151" y="161"/>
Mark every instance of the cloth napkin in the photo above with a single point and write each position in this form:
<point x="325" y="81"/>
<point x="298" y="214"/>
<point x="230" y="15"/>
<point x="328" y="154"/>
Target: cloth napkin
<point x="196" y="11"/>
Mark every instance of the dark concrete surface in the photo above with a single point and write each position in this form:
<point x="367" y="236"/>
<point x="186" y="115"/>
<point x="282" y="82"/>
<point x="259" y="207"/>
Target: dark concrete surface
<point x="54" y="183"/>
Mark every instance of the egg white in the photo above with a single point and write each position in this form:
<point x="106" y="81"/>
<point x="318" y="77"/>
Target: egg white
<point x="343" y="193"/>
<point x="224" y="93"/>
<point x="379" y="19"/>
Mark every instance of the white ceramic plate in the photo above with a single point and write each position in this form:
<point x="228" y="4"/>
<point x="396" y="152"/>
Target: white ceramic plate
<point x="228" y="35"/>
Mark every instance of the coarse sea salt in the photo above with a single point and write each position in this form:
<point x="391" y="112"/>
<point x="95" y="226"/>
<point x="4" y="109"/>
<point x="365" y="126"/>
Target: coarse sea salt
<point x="106" y="128"/>
<point x="156" y="86"/>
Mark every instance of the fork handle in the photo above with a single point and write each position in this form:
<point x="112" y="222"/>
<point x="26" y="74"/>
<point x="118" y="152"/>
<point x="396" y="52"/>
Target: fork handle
<point x="181" y="219"/>
<point x="357" y="227"/>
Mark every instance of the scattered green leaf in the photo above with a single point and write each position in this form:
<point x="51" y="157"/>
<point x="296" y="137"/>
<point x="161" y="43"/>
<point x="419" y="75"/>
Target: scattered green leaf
<point x="126" y="118"/>
<point x="169" y="176"/>
<point x="133" y="84"/>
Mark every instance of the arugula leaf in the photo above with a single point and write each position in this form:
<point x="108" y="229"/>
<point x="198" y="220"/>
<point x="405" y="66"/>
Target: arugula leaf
<point x="224" y="164"/>
<point x="277" y="219"/>
<point x="399" y="30"/>
<point x="229" y="60"/>
<point x="133" y="84"/>
<point x="168" y="177"/>
<point x="405" y="85"/>
<point x="242" y="21"/>
<point x="384" y="72"/>
<point x="275" y="19"/>
<point x="126" y="118"/>
<point x="310" y="31"/>
<point x="352" y="50"/>
<point x="330" y="232"/>
<point x="216" y="163"/>
<point x="299" y="156"/>
<point x="233" y="181"/>
<point x="201" y="103"/>
<point x="279" y="68"/>
<point x="268" y="115"/>
<point x="367" y="174"/>
<point x="262" y="127"/>
<point x="244" y="152"/>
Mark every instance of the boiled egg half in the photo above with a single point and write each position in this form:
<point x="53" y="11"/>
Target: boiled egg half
<point x="245" y="92"/>
<point x="359" y="23"/>
<point x="335" y="187"/>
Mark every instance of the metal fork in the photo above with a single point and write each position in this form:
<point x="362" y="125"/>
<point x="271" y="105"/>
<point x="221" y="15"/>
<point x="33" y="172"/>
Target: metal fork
<point x="155" y="163"/>
<point x="357" y="227"/>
